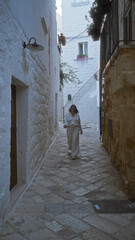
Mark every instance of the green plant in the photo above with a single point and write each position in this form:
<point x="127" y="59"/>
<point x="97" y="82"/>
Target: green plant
<point x="97" y="12"/>
<point x="67" y="74"/>
<point x="82" y="56"/>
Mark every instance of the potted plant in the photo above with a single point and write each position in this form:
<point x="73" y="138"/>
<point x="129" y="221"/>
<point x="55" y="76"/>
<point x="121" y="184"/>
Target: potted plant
<point x="82" y="57"/>
<point x="62" y="39"/>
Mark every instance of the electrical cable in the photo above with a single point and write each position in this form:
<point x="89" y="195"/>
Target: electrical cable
<point x="76" y="36"/>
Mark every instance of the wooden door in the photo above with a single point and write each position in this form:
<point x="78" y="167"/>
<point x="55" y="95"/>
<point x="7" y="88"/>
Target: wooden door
<point x="13" y="154"/>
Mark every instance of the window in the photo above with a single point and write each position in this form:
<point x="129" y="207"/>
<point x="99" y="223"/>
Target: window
<point x="79" y="1"/>
<point x="128" y="26"/>
<point x="83" y="49"/>
<point x="76" y="3"/>
<point x="69" y="97"/>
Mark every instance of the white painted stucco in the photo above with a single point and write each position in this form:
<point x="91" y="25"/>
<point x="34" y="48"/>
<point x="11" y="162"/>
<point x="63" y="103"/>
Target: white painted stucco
<point x="74" y="24"/>
<point x="59" y="31"/>
<point x="36" y="77"/>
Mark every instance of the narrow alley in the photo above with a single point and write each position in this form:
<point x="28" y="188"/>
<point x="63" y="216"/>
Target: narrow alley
<point x="59" y="202"/>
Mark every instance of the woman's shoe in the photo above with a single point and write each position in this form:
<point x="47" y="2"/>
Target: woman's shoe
<point x="69" y="152"/>
<point x="73" y="158"/>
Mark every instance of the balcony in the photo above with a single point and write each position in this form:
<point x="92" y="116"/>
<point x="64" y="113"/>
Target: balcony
<point x="112" y="38"/>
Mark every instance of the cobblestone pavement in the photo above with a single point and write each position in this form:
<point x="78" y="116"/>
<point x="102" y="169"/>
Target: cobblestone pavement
<point x="57" y="204"/>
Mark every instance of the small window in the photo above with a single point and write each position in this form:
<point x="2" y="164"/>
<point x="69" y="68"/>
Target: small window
<point x="83" y="49"/>
<point x="76" y="3"/>
<point x="79" y="1"/>
<point x="69" y="97"/>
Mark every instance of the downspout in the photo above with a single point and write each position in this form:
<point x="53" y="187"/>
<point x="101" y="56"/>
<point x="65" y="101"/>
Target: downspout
<point x="100" y="91"/>
<point x="124" y="23"/>
<point x="118" y="22"/>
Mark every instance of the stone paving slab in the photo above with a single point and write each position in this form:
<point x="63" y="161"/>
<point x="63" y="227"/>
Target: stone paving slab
<point x="73" y="223"/>
<point x="124" y="234"/>
<point x="96" y="234"/>
<point x="102" y="224"/>
<point x="67" y="233"/>
<point x="14" y="236"/>
<point x="57" y="204"/>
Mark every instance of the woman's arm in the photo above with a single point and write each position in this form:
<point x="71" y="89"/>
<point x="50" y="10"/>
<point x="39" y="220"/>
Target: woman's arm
<point x="65" y="122"/>
<point x="80" y="126"/>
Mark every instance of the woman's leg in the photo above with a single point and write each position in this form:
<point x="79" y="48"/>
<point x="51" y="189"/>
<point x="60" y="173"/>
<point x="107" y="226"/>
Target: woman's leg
<point x="69" y="138"/>
<point x="75" y="143"/>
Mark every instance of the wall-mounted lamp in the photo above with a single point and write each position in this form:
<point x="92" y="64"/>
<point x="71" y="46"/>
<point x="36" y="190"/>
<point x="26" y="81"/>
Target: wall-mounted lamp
<point x="33" y="46"/>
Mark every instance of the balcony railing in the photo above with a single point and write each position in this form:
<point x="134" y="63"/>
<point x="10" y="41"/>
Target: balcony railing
<point x="110" y="35"/>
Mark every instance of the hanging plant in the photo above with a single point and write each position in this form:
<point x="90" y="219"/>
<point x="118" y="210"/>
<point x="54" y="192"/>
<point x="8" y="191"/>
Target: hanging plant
<point x="67" y="74"/>
<point x="94" y="31"/>
<point x="97" y="12"/>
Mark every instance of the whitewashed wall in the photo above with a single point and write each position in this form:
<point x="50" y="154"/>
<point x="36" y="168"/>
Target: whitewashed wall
<point x="59" y="23"/>
<point x="74" y="23"/>
<point x="36" y="77"/>
<point x="61" y="102"/>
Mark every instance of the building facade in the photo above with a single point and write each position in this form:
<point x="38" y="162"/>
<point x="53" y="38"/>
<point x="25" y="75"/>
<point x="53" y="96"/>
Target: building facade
<point x="59" y="31"/>
<point x="117" y="88"/>
<point x="82" y="53"/>
<point x="29" y="91"/>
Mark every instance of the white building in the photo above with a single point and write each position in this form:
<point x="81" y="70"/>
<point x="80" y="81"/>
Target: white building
<point x="29" y="88"/>
<point x="59" y="31"/>
<point x="59" y="23"/>
<point x="82" y="53"/>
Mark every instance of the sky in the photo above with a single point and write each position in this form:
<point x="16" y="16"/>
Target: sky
<point x="58" y="4"/>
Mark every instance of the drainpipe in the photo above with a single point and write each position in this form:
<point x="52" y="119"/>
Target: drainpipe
<point x="100" y="92"/>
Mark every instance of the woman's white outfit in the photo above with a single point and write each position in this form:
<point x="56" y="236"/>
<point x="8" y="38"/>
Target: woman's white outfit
<point x="73" y="124"/>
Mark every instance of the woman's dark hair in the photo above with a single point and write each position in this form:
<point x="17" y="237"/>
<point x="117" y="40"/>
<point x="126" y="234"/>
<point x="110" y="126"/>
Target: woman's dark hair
<point x="76" y="110"/>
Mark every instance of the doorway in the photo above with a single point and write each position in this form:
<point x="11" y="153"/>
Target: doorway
<point x="13" y="153"/>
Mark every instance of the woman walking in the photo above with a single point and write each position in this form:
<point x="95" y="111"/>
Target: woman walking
<point x="73" y="125"/>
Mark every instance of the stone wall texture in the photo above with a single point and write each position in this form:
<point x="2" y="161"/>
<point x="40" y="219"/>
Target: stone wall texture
<point x="36" y="77"/>
<point x="119" y="115"/>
